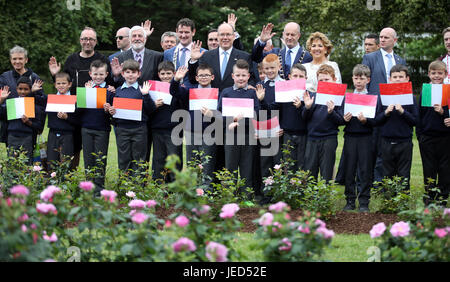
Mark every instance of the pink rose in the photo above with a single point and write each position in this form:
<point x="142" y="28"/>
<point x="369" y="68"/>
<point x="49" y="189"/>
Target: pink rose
<point x="446" y="211"/>
<point x="151" y="203"/>
<point x="19" y="190"/>
<point x="23" y="218"/>
<point x="52" y="238"/>
<point x="266" y="219"/>
<point x="87" y="186"/>
<point x="229" y="210"/>
<point x="278" y="207"/>
<point x="286" y="245"/>
<point x="137" y="204"/>
<point x="24" y="228"/>
<point x="139" y="217"/>
<point x="182" y="221"/>
<point x="277" y="167"/>
<point x="377" y="230"/>
<point x="168" y="223"/>
<point x="109" y="195"/>
<point x="200" y="166"/>
<point x="204" y="209"/>
<point x="269" y="181"/>
<point x="320" y="223"/>
<point x="216" y="252"/>
<point x="53" y="174"/>
<point x="184" y="244"/>
<point x="326" y="233"/>
<point x="130" y="194"/>
<point x="45" y="208"/>
<point x="440" y="232"/>
<point x="400" y="229"/>
<point x="304" y="229"/>
<point x="48" y="193"/>
<point x="36" y="168"/>
<point x="199" y="191"/>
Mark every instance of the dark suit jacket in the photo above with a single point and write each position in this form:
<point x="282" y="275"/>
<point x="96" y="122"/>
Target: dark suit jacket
<point x="258" y="55"/>
<point x="375" y="62"/>
<point x="149" y="69"/>
<point x="212" y="58"/>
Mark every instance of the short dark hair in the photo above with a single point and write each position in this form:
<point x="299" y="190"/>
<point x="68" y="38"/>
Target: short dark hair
<point x="373" y="36"/>
<point x="98" y="64"/>
<point x="62" y="74"/>
<point x="186" y="22"/>
<point x="241" y="64"/>
<point x="24" y="79"/>
<point x="399" y="68"/>
<point x="212" y="30"/>
<point x="131" y="64"/>
<point x="205" y="67"/>
<point x="167" y="66"/>
<point x="300" y="67"/>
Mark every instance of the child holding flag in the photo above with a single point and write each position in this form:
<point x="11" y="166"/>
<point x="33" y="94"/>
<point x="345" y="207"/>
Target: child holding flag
<point x="25" y="118"/>
<point x="433" y="134"/>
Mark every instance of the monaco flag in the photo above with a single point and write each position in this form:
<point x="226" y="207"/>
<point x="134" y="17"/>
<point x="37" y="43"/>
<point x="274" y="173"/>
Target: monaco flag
<point x="286" y="91"/>
<point x="330" y="91"/>
<point x="396" y="93"/>
<point x="160" y="90"/>
<point x="17" y="107"/>
<point x="268" y="128"/>
<point x="203" y="97"/>
<point x="91" y="98"/>
<point x="433" y="94"/>
<point x="61" y="103"/>
<point x="232" y="107"/>
<point x="357" y="103"/>
<point x="127" y="108"/>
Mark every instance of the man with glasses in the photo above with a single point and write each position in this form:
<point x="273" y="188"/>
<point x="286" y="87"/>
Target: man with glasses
<point x="122" y="40"/>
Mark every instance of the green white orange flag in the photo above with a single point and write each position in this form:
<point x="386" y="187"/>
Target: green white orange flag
<point x="91" y="98"/>
<point x="128" y="108"/>
<point x="433" y="94"/>
<point x="61" y="103"/>
<point x="17" y="107"/>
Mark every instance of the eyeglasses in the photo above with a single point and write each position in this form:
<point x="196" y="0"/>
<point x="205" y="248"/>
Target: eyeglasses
<point x="120" y="37"/>
<point x="204" y="75"/>
<point x="88" y="39"/>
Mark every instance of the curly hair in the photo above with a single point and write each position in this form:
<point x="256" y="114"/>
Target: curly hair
<point x="318" y="35"/>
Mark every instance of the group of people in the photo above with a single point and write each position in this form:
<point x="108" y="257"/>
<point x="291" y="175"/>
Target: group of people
<point x="373" y="147"/>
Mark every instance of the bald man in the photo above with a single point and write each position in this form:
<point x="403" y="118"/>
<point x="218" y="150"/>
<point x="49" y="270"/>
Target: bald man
<point x="291" y="54"/>
<point x="122" y="40"/>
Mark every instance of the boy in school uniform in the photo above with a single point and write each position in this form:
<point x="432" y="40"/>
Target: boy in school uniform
<point x="358" y="150"/>
<point x="322" y="127"/>
<point x="96" y="126"/>
<point x="131" y="135"/>
<point x="433" y="134"/>
<point x="61" y="127"/>
<point x="396" y="129"/>
<point x="239" y="151"/>
<point x="22" y="132"/>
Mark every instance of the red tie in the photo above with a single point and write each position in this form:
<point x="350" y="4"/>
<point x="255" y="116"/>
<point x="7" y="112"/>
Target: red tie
<point x="97" y="86"/>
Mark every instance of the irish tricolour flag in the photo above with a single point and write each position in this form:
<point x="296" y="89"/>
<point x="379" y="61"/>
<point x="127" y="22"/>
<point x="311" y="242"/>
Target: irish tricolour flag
<point x="286" y="91"/>
<point x="203" y="97"/>
<point x="127" y="108"/>
<point x="61" y="103"/>
<point x="268" y="128"/>
<point x="433" y="94"/>
<point x="357" y="103"/>
<point x="330" y="91"/>
<point x="232" y="107"/>
<point x="17" y="107"/>
<point x="396" y="93"/>
<point x="91" y="98"/>
<point x="160" y="90"/>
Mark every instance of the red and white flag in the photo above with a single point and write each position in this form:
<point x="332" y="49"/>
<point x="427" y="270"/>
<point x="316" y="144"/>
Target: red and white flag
<point x="287" y="90"/>
<point x="330" y="91"/>
<point x="396" y="93"/>
<point x="232" y="107"/>
<point x="128" y="108"/>
<point x="357" y="103"/>
<point x="160" y="90"/>
<point x="203" y="97"/>
<point x="61" y="103"/>
<point x="268" y="128"/>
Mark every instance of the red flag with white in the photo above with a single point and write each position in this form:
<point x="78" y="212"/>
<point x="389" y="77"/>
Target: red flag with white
<point x="203" y="97"/>
<point x="128" y="108"/>
<point x="268" y="128"/>
<point x="357" y="103"/>
<point x="160" y="90"/>
<point x="61" y="103"/>
<point x="396" y="93"/>
<point x="330" y="91"/>
<point x="232" y="107"/>
<point x="287" y="90"/>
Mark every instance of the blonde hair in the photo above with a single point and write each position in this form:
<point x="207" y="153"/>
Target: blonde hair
<point x="319" y="35"/>
<point x="437" y="65"/>
<point x="326" y="69"/>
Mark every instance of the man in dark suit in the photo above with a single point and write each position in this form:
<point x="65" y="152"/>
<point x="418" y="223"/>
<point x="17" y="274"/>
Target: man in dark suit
<point x="122" y="40"/>
<point x="291" y="36"/>
<point x="380" y="63"/>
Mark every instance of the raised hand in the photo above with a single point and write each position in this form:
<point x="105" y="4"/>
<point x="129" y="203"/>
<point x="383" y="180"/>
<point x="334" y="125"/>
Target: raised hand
<point x="147" y="27"/>
<point x="308" y="100"/>
<point x="330" y="105"/>
<point x="266" y="32"/>
<point x="348" y="116"/>
<point x="232" y="19"/>
<point x="37" y="85"/>
<point x="116" y="67"/>
<point x="4" y="94"/>
<point x="89" y="84"/>
<point x="145" y="87"/>
<point x="196" y="52"/>
<point x="181" y="72"/>
<point x="260" y="92"/>
<point x="54" y="66"/>
<point x="362" y="118"/>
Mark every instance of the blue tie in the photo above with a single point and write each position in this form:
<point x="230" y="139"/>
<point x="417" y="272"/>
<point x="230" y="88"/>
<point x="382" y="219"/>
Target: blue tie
<point x="287" y="61"/>
<point x="183" y="57"/>
<point x="224" y="64"/>
<point x="389" y="66"/>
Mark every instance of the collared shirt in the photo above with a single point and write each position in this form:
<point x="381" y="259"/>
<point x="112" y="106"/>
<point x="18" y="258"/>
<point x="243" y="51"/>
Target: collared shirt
<point x="278" y="78"/>
<point x="188" y="53"/>
<point x="67" y="93"/>
<point x="221" y="51"/>
<point x="363" y="92"/>
<point x="134" y="85"/>
<point x="446" y="61"/>
<point x="293" y="54"/>
<point x="385" y="60"/>
<point x="236" y="88"/>
<point x="199" y="86"/>
<point x="101" y="85"/>
<point x="142" y="56"/>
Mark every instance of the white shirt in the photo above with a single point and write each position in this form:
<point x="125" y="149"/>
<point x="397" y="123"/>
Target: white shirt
<point x="221" y="51"/>
<point x="188" y="53"/>
<point x="446" y="61"/>
<point x="385" y="60"/>
<point x="311" y="70"/>
<point x="293" y="53"/>
<point x="278" y="78"/>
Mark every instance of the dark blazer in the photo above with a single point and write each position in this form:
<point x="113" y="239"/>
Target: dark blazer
<point x="375" y="62"/>
<point x="258" y="55"/>
<point x="149" y="69"/>
<point x="212" y="58"/>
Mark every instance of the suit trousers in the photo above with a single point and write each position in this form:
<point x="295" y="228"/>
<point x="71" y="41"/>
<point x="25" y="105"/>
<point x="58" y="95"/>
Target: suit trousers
<point x="24" y="143"/>
<point x="163" y="147"/>
<point x="321" y="154"/>
<point x="358" y="155"/>
<point x="131" y="147"/>
<point x="240" y="157"/>
<point x="95" y="147"/>
<point x="297" y="153"/>
<point x="59" y="147"/>
<point x="195" y="142"/>
<point x="397" y="159"/>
